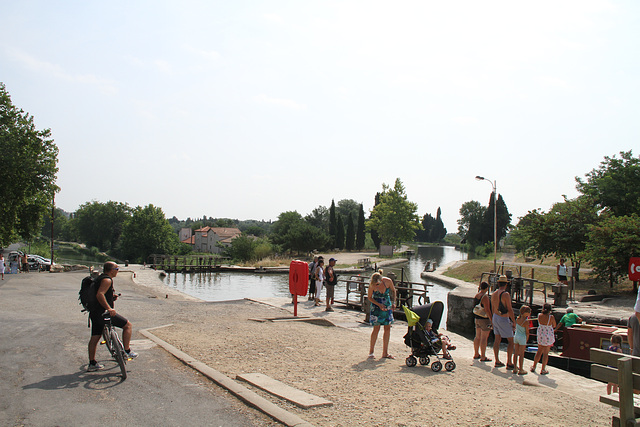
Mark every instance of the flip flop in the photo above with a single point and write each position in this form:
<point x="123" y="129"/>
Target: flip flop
<point x="371" y="356"/>
<point x="388" y="356"/>
<point x="486" y="359"/>
<point x="498" y="365"/>
<point x="544" y="372"/>
<point x="510" y="366"/>
<point x="522" y="372"/>
<point x="477" y="357"/>
<point x="533" y="369"/>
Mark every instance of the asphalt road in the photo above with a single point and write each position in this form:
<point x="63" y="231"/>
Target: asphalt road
<point x="43" y="357"/>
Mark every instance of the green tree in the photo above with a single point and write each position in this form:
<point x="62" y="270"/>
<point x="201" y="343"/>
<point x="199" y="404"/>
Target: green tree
<point x="281" y="227"/>
<point x="394" y="218"/>
<point x="303" y="238"/>
<point x="350" y="237"/>
<point x="438" y="231"/>
<point x="242" y="248"/>
<point x="101" y="224"/>
<point x="333" y="224"/>
<point x="561" y="232"/>
<point x="612" y="241"/>
<point x="427" y="222"/>
<point x="29" y="160"/>
<point x="375" y="237"/>
<point x="59" y="223"/>
<point x="615" y="186"/>
<point x="339" y="239"/>
<point x="503" y="220"/>
<point x="319" y="218"/>
<point x="471" y="212"/>
<point x="346" y="207"/>
<point x="147" y="232"/>
<point x="360" y="230"/>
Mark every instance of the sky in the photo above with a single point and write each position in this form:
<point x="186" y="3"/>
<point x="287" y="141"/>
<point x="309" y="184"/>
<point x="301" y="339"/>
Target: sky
<point x="248" y="109"/>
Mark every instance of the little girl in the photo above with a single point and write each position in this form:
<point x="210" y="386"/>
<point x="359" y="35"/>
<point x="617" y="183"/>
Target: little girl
<point x="520" y="339"/>
<point x="616" y="347"/>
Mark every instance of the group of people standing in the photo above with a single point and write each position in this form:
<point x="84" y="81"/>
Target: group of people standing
<point x="497" y="314"/>
<point x="319" y="277"/>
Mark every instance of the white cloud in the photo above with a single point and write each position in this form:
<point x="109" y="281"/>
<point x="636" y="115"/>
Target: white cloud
<point x="44" y="67"/>
<point x="210" y="55"/>
<point x="287" y="103"/>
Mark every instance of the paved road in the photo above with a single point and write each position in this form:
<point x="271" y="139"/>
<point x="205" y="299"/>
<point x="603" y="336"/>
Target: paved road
<point x="43" y="381"/>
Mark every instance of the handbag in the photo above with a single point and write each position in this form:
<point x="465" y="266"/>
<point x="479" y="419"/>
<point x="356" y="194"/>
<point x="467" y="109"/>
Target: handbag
<point x="478" y="310"/>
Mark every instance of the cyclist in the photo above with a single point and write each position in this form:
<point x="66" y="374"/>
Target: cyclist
<point x="106" y="298"/>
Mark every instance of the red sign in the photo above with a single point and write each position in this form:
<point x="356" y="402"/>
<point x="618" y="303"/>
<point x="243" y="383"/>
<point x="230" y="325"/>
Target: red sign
<point x="298" y="277"/>
<point x="634" y="269"/>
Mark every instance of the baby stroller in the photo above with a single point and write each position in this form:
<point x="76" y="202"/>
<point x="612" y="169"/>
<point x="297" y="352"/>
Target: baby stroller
<point x="416" y="338"/>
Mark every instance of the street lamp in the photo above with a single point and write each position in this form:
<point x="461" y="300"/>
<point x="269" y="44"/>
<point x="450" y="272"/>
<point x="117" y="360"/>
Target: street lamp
<point x="495" y="223"/>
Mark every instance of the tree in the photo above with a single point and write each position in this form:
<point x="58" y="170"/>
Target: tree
<point x="503" y="220"/>
<point x="242" y="248"/>
<point x="350" y="237"/>
<point x="360" y="230"/>
<point x="147" y="232"/>
<point x="333" y="224"/>
<point x="375" y="237"/>
<point x="427" y="222"/>
<point x="101" y="224"/>
<point x="29" y="160"/>
<point x="346" y="207"/>
<point x="319" y="218"/>
<point x="394" y="218"/>
<point x="339" y="239"/>
<point x="470" y="213"/>
<point x="438" y="231"/>
<point x="303" y="237"/>
<point x="615" y="186"/>
<point x="612" y="241"/>
<point x="281" y="227"/>
<point x="59" y="223"/>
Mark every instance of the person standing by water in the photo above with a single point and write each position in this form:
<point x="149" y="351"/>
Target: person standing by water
<point x="2" y="265"/>
<point x="546" y="338"/>
<point x="520" y="338"/>
<point x="382" y="297"/>
<point x="312" y="279"/>
<point x="503" y="320"/>
<point x="561" y="271"/>
<point x="319" y="275"/>
<point x="331" y="280"/>
<point x="482" y="322"/>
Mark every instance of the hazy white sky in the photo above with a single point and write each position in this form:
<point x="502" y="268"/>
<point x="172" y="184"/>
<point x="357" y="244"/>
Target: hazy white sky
<point x="246" y="109"/>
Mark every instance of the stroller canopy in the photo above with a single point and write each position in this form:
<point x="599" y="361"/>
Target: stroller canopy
<point x="431" y="311"/>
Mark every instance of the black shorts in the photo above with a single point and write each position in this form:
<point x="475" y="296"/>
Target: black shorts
<point x="97" y="322"/>
<point x="562" y="278"/>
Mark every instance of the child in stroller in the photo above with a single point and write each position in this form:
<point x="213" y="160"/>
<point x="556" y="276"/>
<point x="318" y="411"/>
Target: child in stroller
<point x="440" y="340"/>
<point x="424" y="339"/>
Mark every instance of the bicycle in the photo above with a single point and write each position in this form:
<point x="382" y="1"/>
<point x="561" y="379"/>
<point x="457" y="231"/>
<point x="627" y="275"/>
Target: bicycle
<point x="114" y="344"/>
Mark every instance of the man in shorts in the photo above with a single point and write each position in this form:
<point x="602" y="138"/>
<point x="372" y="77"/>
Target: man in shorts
<point x="503" y="320"/>
<point x="330" y="284"/>
<point x="105" y="297"/>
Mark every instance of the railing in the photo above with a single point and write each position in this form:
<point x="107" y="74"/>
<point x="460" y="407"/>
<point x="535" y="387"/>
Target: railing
<point x="406" y="293"/>
<point x="520" y="292"/>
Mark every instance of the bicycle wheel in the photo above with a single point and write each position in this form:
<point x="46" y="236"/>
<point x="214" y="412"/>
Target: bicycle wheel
<point x="106" y="335"/>
<point x="118" y="349"/>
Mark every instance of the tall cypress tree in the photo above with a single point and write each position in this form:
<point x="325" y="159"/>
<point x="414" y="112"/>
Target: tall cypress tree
<point x="351" y="234"/>
<point x="332" y="225"/>
<point x="374" y="234"/>
<point x="360" y="230"/>
<point x="339" y="233"/>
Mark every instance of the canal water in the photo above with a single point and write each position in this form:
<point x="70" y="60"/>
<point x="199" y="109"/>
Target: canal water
<point x="231" y="286"/>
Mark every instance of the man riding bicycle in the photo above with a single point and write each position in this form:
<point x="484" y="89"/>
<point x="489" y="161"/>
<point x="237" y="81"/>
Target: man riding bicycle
<point x="106" y="298"/>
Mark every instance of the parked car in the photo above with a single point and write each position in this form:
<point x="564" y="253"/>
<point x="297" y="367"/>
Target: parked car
<point x="36" y="262"/>
<point x="14" y="255"/>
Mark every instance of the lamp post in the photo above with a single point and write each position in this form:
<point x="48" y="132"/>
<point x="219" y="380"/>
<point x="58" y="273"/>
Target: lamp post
<point x="495" y="223"/>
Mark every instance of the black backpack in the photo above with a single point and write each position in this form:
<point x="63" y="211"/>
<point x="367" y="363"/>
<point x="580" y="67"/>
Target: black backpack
<point x="88" y="291"/>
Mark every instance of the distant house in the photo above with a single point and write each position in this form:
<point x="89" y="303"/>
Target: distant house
<point x="205" y="239"/>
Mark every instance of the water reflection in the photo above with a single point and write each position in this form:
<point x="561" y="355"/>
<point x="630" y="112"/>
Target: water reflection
<point x="232" y="286"/>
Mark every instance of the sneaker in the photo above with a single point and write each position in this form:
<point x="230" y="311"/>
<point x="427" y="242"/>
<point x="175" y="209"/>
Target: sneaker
<point x="131" y="354"/>
<point x="94" y="367"/>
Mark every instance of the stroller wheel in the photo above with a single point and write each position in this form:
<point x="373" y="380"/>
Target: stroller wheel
<point x="450" y="365"/>
<point x="436" y="366"/>
<point x="411" y="361"/>
<point x="424" y="360"/>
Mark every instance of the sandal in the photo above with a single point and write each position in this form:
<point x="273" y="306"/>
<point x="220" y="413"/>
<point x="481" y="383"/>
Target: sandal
<point x="533" y="369"/>
<point x="371" y="356"/>
<point x="448" y="357"/>
<point x="451" y="347"/>
<point x="522" y="372"/>
<point x="477" y="357"/>
<point x="388" y="356"/>
<point x="486" y="359"/>
<point x="510" y="366"/>
<point x="544" y="372"/>
<point x="498" y="365"/>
